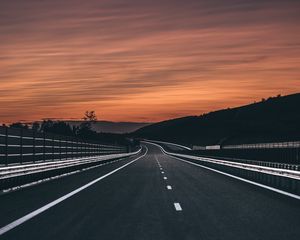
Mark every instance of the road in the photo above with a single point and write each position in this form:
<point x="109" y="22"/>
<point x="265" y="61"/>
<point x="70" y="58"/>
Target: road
<point x="155" y="197"/>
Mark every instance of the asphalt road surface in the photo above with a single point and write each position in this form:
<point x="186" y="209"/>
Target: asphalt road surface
<point x="154" y="197"/>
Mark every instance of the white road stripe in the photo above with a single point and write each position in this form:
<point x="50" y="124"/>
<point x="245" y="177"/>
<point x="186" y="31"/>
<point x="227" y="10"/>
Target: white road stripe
<point x="165" y="178"/>
<point x="57" y="201"/>
<point x="177" y="207"/>
<point x="162" y="172"/>
<point x="230" y="175"/>
<point x="169" y="187"/>
<point x="243" y="179"/>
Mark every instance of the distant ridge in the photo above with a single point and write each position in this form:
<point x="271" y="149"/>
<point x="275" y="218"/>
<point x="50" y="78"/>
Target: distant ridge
<point x="274" y="119"/>
<point x="112" y="127"/>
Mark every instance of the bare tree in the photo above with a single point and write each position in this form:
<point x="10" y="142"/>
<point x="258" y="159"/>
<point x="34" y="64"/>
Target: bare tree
<point x="90" y="116"/>
<point x="86" y="126"/>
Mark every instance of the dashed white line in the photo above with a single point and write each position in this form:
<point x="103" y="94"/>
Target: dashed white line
<point x="233" y="176"/>
<point x="165" y="178"/>
<point x="27" y="217"/>
<point x="177" y="207"/>
<point x="163" y="172"/>
<point x="169" y="187"/>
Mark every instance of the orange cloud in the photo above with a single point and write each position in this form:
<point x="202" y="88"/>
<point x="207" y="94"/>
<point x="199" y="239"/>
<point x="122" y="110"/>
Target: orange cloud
<point x="139" y="61"/>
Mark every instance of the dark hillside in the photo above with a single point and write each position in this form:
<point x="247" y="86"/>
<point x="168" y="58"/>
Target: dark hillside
<point x="275" y="119"/>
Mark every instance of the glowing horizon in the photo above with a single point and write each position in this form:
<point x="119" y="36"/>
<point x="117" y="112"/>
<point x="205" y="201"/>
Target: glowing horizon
<point x="144" y="61"/>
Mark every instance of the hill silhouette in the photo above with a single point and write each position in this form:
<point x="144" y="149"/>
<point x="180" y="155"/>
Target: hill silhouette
<point x="274" y="119"/>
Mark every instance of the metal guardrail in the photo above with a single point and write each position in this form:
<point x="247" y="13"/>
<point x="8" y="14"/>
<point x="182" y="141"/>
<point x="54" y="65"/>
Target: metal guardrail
<point x="19" y="146"/>
<point x="169" y="144"/>
<point x="295" y="144"/>
<point x="11" y="171"/>
<point x="292" y="144"/>
<point x="12" y="176"/>
<point x="256" y="162"/>
<point x="269" y="170"/>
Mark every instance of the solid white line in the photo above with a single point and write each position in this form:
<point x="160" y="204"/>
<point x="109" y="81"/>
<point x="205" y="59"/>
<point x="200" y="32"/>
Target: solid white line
<point x="230" y="175"/>
<point x="244" y="180"/>
<point x="55" y="202"/>
<point x="57" y="176"/>
<point x="177" y="207"/>
<point x="169" y="187"/>
<point x="165" y="178"/>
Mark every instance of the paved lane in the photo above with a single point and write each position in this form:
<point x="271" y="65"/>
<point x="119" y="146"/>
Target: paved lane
<point x="155" y="197"/>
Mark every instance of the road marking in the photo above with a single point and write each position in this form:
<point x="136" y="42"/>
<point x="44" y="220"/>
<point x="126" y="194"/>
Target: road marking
<point x="243" y="179"/>
<point x="163" y="172"/>
<point x="161" y="169"/>
<point x="233" y="176"/>
<point x="169" y="187"/>
<point x="165" y="178"/>
<point x="177" y="207"/>
<point x="27" y="217"/>
<point x="56" y="177"/>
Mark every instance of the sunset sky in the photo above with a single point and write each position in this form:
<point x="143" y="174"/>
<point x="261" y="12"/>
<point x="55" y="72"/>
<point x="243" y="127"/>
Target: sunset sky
<point x="144" y="60"/>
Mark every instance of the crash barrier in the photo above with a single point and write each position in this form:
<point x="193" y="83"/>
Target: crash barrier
<point x="19" y="146"/>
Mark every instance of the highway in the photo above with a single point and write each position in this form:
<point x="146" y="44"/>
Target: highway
<point x="148" y="196"/>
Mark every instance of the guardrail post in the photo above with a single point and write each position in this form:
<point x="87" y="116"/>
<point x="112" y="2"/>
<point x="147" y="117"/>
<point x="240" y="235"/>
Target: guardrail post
<point x="66" y="147"/>
<point x="21" y="145"/>
<point x="6" y="146"/>
<point x="53" y="148"/>
<point x="33" y="146"/>
<point x="85" y="149"/>
<point x="59" y="148"/>
<point x="72" y="148"/>
<point x="44" y="147"/>
<point x="77" y="147"/>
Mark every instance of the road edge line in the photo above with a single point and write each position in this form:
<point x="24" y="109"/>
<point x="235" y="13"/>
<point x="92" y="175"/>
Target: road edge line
<point x="40" y="210"/>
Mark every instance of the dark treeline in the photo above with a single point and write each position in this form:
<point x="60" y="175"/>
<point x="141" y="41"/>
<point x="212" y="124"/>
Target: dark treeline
<point x="83" y="131"/>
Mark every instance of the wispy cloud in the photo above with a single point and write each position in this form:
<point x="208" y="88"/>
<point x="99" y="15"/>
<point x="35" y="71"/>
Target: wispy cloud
<point x="138" y="59"/>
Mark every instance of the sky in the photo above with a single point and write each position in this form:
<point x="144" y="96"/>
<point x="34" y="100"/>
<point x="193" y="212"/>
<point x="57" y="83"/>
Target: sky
<point x="142" y="60"/>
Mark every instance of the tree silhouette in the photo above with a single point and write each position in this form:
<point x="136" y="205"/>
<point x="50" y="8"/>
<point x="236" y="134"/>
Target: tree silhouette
<point x="19" y="125"/>
<point x="57" y="128"/>
<point x="85" y="128"/>
<point x="35" y="126"/>
<point x="90" y="116"/>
